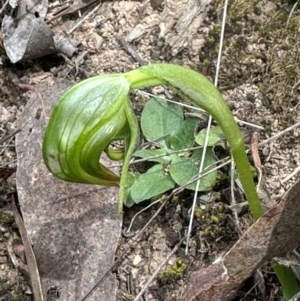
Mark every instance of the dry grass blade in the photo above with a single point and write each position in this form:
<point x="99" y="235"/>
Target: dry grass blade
<point x="290" y="14"/>
<point x="10" y="136"/>
<point x="261" y="188"/>
<point x="31" y="261"/>
<point x="208" y="127"/>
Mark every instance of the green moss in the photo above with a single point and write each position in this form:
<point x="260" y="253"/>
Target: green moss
<point x="173" y="273"/>
<point x="175" y="200"/>
<point x="198" y="213"/>
<point x="127" y="297"/>
<point x="6" y="219"/>
<point x="264" y="53"/>
<point x="16" y="239"/>
<point x="16" y="295"/>
<point x="262" y="89"/>
<point x="222" y="208"/>
<point x="214" y="219"/>
<point x="155" y="227"/>
<point x="206" y="63"/>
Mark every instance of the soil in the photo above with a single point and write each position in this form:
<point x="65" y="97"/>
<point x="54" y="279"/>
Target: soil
<point x="259" y="79"/>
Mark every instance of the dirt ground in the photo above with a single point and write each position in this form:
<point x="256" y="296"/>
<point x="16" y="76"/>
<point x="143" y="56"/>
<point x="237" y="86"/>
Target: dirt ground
<point x="259" y="77"/>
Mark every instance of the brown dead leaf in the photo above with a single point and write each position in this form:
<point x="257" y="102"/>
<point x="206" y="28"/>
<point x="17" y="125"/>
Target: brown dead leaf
<point x="73" y="228"/>
<point x="261" y="188"/>
<point x="272" y="235"/>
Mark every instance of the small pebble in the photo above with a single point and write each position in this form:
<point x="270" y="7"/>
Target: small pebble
<point x="3" y="229"/>
<point x="135" y="33"/>
<point x="137" y="260"/>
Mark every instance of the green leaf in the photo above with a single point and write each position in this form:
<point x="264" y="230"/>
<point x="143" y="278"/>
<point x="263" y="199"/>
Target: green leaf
<point x="160" y="118"/>
<point x="164" y="154"/>
<point x="182" y="170"/>
<point x="184" y="136"/>
<point x="216" y="137"/>
<point x="152" y="183"/>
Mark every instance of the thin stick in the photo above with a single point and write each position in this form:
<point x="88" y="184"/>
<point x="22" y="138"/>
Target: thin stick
<point x="131" y="51"/>
<point x="199" y="176"/>
<point x="7" y="163"/>
<point x="171" y="152"/>
<point x="4" y="6"/>
<point x="82" y="20"/>
<point x="208" y="128"/>
<point x="31" y="260"/>
<point x="138" y="213"/>
<point x="198" y="109"/>
<point x="288" y="177"/>
<point x="233" y="200"/>
<point x="279" y="134"/>
<point x="10" y="136"/>
<point x="290" y="14"/>
<point x="153" y="276"/>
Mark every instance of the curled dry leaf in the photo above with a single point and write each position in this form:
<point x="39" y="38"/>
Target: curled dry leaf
<point x="272" y="235"/>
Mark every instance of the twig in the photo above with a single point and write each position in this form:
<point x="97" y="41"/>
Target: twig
<point x="198" y="109"/>
<point x="163" y="263"/>
<point x="261" y="188"/>
<point x="279" y="134"/>
<point x="131" y="51"/>
<point x="10" y="136"/>
<point x="23" y="268"/>
<point x="199" y="176"/>
<point x="138" y="213"/>
<point x="233" y="200"/>
<point x="4" y="6"/>
<point x="248" y="294"/>
<point x="288" y="177"/>
<point x="167" y="153"/>
<point x="290" y="14"/>
<point x="7" y="163"/>
<point x="83" y="19"/>
<point x="208" y="128"/>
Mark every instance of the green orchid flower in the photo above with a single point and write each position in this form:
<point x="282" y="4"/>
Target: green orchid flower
<point x="87" y="119"/>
